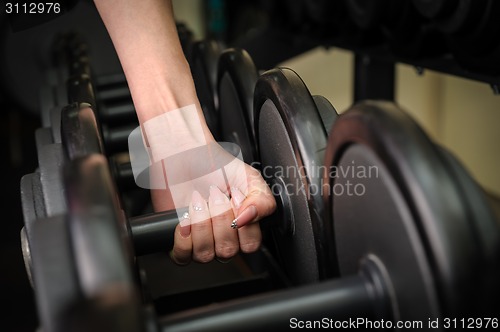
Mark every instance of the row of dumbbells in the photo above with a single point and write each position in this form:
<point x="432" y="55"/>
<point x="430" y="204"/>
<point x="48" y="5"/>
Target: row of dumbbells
<point x="410" y="28"/>
<point x="374" y="219"/>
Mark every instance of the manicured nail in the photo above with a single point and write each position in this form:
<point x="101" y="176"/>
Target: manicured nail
<point x="237" y="197"/>
<point x="197" y="202"/>
<point x="171" y="255"/>
<point x="186" y="231"/>
<point x="217" y="197"/>
<point x="245" y="217"/>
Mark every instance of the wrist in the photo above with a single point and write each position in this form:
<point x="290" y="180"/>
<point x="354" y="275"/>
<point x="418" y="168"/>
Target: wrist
<point x="175" y="131"/>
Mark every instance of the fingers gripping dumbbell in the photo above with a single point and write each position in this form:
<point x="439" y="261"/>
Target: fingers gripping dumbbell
<point x="384" y="279"/>
<point x="373" y="262"/>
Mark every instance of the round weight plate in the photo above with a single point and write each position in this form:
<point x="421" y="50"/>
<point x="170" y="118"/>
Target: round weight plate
<point x="366" y="14"/>
<point x="101" y="253"/>
<point x="451" y="16"/>
<point x="54" y="274"/>
<point x="237" y="77"/>
<point x="203" y="61"/>
<point x="324" y="12"/>
<point x="327" y="112"/>
<point x="371" y="217"/>
<point x="26" y="54"/>
<point x="80" y="90"/>
<point x="435" y="8"/>
<point x="478" y="48"/>
<point x="291" y="140"/>
<point x="408" y="211"/>
<point x="486" y="230"/>
<point x="80" y="133"/>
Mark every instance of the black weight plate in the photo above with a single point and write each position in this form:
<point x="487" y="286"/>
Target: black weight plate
<point x="435" y="8"/>
<point x="483" y="36"/>
<point x="321" y="12"/>
<point x="370" y="218"/>
<point x="50" y="98"/>
<point x="27" y="54"/>
<point x="291" y="140"/>
<point x="478" y="48"/>
<point x="80" y="131"/>
<point x="203" y="62"/>
<point x="326" y="110"/>
<point x="97" y="231"/>
<point x="237" y="76"/>
<point x="54" y="274"/>
<point x="33" y="209"/>
<point x="80" y="90"/>
<point x="51" y="159"/>
<point x="411" y="215"/>
<point x="487" y="232"/>
<point x="43" y="136"/>
<point x="367" y="14"/>
<point x="451" y="16"/>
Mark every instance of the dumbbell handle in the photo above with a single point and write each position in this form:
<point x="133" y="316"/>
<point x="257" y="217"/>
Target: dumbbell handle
<point x="344" y="299"/>
<point x="153" y="232"/>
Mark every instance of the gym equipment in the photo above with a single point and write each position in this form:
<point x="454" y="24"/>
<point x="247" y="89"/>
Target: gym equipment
<point x="186" y="38"/>
<point x="100" y="242"/>
<point x="400" y="23"/>
<point x="203" y="61"/>
<point x="237" y="76"/>
<point x="81" y="136"/>
<point x="471" y="30"/>
<point x="451" y="16"/>
<point x="384" y="242"/>
<point x="115" y="138"/>
<point x="407" y="213"/>
<point x="478" y="48"/>
<point x="27" y="54"/>
<point x="291" y="139"/>
<point x="327" y="16"/>
<point x="111" y="91"/>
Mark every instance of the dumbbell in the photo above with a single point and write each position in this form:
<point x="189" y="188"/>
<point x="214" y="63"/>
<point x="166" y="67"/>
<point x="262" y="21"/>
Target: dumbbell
<point x="277" y="87"/>
<point x="81" y="136"/>
<point x="115" y="137"/>
<point x="72" y="61"/>
<point x="90" y="250"/>
<point x="84" y="130"/>
<point x="384" y="238"/>
<point x="401" y="25"/>
<point x="418" y="214"/>
<point x="237" y="76"/>
<point x="328" y="17"/>
<point x="471" y="29"/>
<point x="203" y="62"/>
<point x="42" y="191"/>
<point x="111" y="92"/>
<point x="291" y="138"/>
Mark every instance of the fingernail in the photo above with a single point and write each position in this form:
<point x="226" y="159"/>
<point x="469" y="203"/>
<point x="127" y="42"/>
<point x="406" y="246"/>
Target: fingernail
<point x="217" y="197"/>
<point x="222" y="260"/>
<point x="186" y="231"/>
<point x="172" y="257"/>
<point x="197" y="202"/>
<point x="237" y="197"/>
<point x="245" y="217"/>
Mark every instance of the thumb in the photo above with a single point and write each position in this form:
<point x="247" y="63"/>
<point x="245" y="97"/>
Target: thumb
<point x="258" y="203"/>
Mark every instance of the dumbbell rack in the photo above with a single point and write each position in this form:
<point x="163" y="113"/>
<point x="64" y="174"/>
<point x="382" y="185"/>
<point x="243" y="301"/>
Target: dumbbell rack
<point x="364" y="293"/>
<point x="43" y="201"/>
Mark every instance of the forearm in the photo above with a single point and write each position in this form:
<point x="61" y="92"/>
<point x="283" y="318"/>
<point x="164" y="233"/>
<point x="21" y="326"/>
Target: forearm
<point x="145" y="37"/>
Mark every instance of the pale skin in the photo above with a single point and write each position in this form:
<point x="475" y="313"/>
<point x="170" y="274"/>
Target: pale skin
<point x="145" y="38"/>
